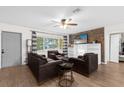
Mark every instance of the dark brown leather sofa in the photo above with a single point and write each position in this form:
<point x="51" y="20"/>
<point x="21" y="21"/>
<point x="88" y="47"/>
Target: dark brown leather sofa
<point x="55" y="55"/>
<point x="85" y="64"/>
<point x="42" y="68"/>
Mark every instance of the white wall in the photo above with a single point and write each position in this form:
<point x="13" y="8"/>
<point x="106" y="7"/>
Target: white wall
<point x="44" y="52"/>
<point x="26" y="34"/>
<point x="111" y="29"/>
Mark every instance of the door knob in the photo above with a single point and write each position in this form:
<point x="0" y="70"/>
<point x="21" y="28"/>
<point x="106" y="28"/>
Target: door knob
<point x="2" y="51"/>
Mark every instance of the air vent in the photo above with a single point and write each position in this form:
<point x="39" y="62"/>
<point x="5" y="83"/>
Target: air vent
<point x="77" y="10"/>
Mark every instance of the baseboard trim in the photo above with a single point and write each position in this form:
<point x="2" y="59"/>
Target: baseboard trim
<point x="103" y="63"/>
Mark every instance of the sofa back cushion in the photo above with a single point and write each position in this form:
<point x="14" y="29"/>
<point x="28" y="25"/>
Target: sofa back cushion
<point x="42" y="59"/>
<point x="92" y="60"/>
<point x="86" y="56"/>
<point x="53" y="51"/>
<point x="81" y="57"/>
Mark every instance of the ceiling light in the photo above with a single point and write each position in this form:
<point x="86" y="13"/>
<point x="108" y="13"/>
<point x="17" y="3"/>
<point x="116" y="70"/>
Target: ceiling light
<point x="65" y="26"/>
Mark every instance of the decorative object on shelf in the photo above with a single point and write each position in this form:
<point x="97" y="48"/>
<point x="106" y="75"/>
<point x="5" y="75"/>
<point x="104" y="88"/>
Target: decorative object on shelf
<point x="70" y="45"/>
<point x="95" y="41"/>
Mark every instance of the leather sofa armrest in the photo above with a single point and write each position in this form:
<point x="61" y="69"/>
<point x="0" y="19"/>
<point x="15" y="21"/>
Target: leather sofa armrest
<point x="43" y="55"/>
<point x="80" y="56"/>
<point x="81" y="60"/>
<point x="48" y="70"/>
<point x="78" y="63"/>
<point x="50" y="64"/>
<point x="52" y="54"/>
<point x="62" y="54"/>
<point x="73" y="60"/>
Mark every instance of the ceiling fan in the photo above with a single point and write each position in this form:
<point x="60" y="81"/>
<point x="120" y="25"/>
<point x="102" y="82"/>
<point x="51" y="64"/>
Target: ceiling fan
<point x="64" y="23"/>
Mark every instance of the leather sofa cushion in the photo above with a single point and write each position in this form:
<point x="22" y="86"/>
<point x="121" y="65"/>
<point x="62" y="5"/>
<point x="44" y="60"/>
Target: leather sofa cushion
<point x="42" y="59"/>
<point x="42" y="62"/>
<point x="56" y="52"/>
<point x="60" y="57"/>
<point x="52" y="61"/>
<point x="81" y="57"/>
<point x="86" y="56"/>
<point x="48" y="59"/>
<point x="52" y="54"/>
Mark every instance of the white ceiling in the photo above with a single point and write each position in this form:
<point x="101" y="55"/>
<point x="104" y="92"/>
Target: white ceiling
<point x="40" y="17"/>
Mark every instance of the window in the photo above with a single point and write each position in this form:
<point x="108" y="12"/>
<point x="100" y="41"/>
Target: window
<point x="51" y="43"/>
<point x="61" y="43"/>
<point x="39" y="43"/>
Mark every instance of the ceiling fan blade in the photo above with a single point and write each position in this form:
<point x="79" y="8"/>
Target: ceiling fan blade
<point x="55" y="21"/>
<point x="72" y="24"/>
<point x="68" y="20"/>
<point x="56" y="25"/>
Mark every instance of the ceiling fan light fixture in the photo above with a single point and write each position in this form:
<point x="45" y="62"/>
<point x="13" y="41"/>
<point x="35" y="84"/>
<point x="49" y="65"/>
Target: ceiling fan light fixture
<point x="67" y="20"/>
<point x="64" y="23"/>
<point x="65" y="26"/>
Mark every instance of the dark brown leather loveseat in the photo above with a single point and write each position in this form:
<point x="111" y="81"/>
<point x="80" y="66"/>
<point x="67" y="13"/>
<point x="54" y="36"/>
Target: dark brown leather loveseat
<point x="42" y="68"/>
<point x="85" y="64"/>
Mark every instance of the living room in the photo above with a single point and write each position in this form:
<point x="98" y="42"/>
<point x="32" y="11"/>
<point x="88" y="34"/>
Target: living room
<point x="72" y="46"/>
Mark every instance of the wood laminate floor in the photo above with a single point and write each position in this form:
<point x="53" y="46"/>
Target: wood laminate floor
<point x="110" y="75"/>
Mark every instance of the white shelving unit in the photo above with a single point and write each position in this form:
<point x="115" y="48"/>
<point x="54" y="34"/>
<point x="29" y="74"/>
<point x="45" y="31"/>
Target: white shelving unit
<point x="81" y="49"/>
<point x="65" y="47"/>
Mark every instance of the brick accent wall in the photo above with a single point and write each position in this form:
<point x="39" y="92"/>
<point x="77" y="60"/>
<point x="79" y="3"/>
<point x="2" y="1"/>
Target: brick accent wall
<point x="95" y="34"/>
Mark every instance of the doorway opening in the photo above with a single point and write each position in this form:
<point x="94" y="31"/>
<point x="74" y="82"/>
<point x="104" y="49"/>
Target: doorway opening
<point x="117" y="48"/>
<point x="121" y="48"/>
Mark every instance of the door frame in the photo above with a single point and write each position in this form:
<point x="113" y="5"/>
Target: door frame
<point x="20" y="44"/>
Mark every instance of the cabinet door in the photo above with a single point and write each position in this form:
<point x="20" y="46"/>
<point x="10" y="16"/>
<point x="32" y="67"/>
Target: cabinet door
<point x="80" y="49"/>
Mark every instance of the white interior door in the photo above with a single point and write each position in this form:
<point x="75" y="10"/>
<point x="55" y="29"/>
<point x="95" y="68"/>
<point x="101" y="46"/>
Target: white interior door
<point x="11" y="49"/>
<point x="114" y="48"/>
